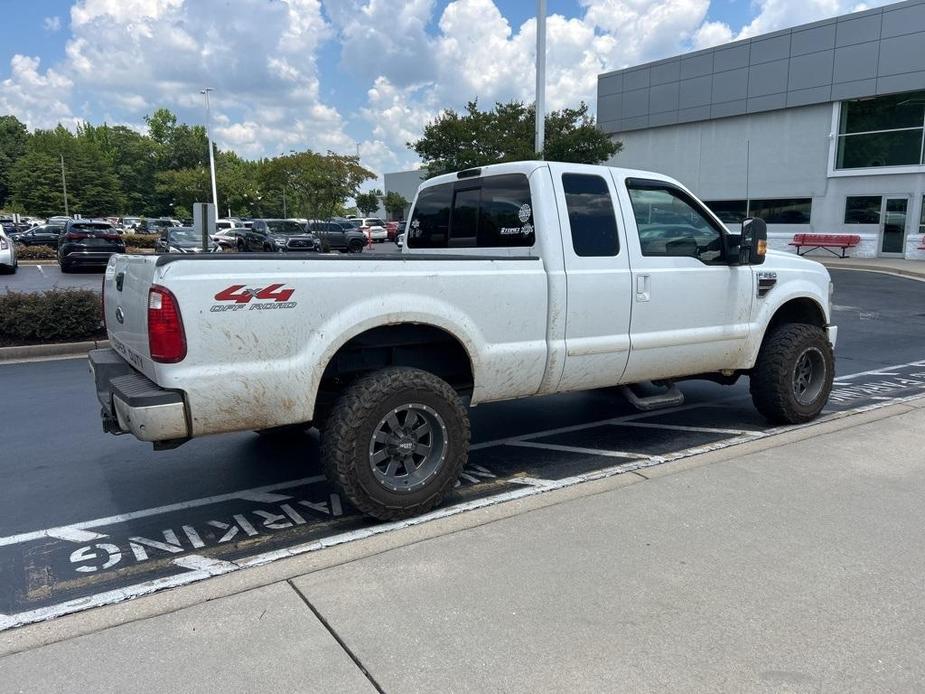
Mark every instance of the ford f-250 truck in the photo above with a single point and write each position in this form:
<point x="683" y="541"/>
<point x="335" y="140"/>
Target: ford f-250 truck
<point x="516" y="280"/>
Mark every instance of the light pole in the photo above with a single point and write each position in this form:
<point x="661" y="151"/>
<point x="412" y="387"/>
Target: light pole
<point x="540" y="74"/>
<point x="64" y="186"/>
<point x="211" y="153"/>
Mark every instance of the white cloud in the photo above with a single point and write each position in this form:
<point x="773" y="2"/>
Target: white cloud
<point x="40" y="99"/>
<point x="52" y="24"/>
<point x="711" y="34"/>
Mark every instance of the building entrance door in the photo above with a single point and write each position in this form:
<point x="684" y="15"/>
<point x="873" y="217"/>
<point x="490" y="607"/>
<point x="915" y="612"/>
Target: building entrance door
<point x="893" y="227"/>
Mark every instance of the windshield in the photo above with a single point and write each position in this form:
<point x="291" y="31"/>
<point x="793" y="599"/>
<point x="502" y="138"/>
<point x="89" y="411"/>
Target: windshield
<point x="183" y="236"/>
<point x="284" y="226"/>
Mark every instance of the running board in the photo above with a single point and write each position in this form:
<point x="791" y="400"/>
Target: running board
<point x="670" y="397"/>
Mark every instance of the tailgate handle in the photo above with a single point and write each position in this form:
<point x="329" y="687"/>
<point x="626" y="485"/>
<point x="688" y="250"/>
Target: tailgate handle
<point x="120" y="279"/>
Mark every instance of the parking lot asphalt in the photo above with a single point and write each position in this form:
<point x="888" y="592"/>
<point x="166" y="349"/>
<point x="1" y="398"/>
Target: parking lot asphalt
<point x="89" y="515"/>
<point x="40" y="278"/>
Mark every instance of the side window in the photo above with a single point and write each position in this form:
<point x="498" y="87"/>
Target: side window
<point x="669" y="223"/>
<point x="590" y="215"/>
<point x="491" y="212"/>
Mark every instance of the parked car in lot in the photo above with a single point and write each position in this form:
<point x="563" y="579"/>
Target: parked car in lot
<point x="394" y="228"/>
<point x="129" y="223"/>
<point x="516" y="280"/>
<point x="156" y="226"/>
<point x="277" y="236"/>
<point x="46" y="235"/>
<point x="8" y="261"/>
<point x="88" y="243"/>
<point x="340" y="236"/>
<point x="400" y="240"/>
<point x="374" y="228"/>
<point x="228" y="238"/>
<point x="224" y="224"/>
<point x="183" y="240"/>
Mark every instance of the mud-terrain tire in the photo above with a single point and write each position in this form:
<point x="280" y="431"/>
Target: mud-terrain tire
<point x="395" y="442"/>
<point x="792" y="380"/>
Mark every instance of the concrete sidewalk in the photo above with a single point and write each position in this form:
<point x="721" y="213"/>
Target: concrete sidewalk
<point x="914" y="269"/>
<point x="791" y="564"/>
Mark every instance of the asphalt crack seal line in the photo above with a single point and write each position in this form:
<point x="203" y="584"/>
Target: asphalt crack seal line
<point x="200" y="567"/>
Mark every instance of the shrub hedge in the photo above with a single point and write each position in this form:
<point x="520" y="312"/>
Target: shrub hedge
<point x="140" y="240"/>
<point x="35" y="252"/>
<point x="58" y="315"/>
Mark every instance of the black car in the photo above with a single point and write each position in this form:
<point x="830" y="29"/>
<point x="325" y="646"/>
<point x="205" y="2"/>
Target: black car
<point x="87" y="243"/>
<point x="339" y="236"/>
<point x="46" y="235"/>
<point x="182" y="240"/>
<point x="277" y="236"/>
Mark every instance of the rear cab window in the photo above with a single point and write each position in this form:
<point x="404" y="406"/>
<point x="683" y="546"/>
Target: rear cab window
<point x="487" y="212"/>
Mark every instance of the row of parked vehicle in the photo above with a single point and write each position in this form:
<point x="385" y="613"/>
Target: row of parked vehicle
<point x="82" y="242"/>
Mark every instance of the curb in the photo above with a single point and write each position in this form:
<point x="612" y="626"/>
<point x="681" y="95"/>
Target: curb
<point x="64" y="349"/>
<point x="896" y="272"/>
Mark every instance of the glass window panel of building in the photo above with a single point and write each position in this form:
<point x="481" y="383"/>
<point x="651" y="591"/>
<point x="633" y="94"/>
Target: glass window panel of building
<point x="882" y="131"/>
<point x="863" y="209"/>
<point x="782" y="211"/>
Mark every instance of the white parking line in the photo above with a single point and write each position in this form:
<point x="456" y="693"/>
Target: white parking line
<point x="882" y="371"/>
<point x="580" y="449"/>
<point x="684" y="427"/>
<point x="74" y="534"/>
<point x="64" y="530"/>
<point x="197" y="562"/>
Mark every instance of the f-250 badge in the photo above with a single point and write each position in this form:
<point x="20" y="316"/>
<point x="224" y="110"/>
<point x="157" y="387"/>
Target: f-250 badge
<point x="259" y="299"/>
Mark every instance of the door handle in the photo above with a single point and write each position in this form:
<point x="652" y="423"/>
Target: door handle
<point x="642" y="287"/>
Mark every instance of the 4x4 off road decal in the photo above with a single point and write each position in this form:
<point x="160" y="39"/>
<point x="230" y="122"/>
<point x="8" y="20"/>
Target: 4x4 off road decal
<point x="240" y="297"/>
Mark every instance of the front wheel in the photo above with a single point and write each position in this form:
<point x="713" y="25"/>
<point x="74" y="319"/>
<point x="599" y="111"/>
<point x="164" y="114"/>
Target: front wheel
<point x="792" y="380"/>
<point x="396" y="441"/>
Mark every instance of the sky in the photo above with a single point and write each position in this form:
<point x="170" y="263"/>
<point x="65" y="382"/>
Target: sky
<point x="342" y="75"/>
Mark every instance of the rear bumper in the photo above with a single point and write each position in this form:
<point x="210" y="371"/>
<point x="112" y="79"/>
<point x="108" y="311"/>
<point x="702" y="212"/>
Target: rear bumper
<point x="88" y="257"/>
<point x="132" y="403"/>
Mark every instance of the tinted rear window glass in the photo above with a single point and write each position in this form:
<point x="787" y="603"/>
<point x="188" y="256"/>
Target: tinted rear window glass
<point x="491" y="212"/>
<point x="87" y="226"/>
<point x="590" y="215"/>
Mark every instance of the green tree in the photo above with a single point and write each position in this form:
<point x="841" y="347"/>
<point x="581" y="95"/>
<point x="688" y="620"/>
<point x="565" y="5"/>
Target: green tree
<point x="92" y="187"/>
<point x="13" y="140"/>
<point x="368" y="202"/>
<point x="315" y="185"/>
<point x="454" y="141"/>
<point x="133" y="158"/>
<point x="395" y="204"/>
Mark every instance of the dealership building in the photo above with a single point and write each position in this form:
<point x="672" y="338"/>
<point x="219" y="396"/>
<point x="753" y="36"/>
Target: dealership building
<point x="817" y="129"/>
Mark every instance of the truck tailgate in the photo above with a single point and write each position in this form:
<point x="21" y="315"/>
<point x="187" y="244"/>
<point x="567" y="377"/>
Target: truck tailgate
<point x="125" y="295"/>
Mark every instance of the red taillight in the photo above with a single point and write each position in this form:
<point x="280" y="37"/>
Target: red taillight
<point x="112" y="237"/>
<point x="74" y="236"/>
<point x="166" y="339"/>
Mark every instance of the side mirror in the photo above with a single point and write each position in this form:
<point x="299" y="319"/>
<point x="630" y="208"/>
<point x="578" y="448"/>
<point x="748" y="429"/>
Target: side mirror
<point x="754" y="244"/>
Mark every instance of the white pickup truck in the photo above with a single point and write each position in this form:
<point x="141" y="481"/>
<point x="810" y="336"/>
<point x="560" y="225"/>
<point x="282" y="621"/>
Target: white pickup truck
<point x="516" y="280"/>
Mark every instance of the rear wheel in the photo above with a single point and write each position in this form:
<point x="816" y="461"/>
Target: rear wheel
<point x="793" y="377"/>
<point x="241" y="247"/>
<point x="356" y="246"/>
<point x="66" y="267"/>
<point x="396" y="441"/>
